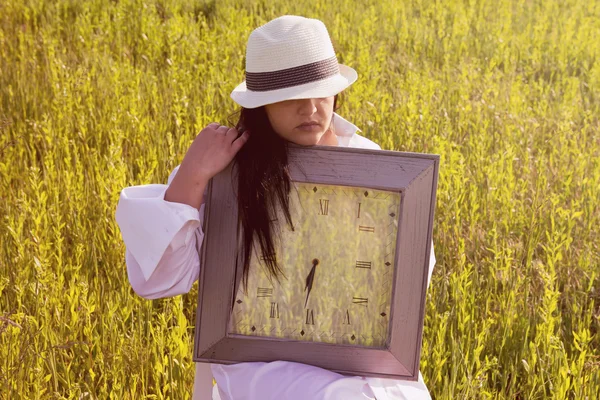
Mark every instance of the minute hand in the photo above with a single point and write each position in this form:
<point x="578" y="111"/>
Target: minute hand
<point x="310" y="279"/>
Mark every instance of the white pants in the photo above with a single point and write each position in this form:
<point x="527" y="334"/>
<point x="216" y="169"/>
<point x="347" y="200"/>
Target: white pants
<point x="284" y="380"/>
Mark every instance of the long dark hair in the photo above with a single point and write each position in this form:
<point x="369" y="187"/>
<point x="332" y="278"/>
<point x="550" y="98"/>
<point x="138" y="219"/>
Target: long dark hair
<point x="264" y="183"/>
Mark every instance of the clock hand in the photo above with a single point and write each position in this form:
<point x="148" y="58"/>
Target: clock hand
<point x="309" y="280"/>
<point x="309" y="283"/>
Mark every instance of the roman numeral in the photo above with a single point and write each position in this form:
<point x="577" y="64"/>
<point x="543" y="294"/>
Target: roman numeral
<point x="310" y="317"/>
<point x="274" y="310"/>
<point x="347" y="319"/>
<point x="360" y="300"/>
<point x="358" y="216"/>
<point x="264" y="292"/>
<point x="363" y="264"/>
<point x="366" y="228"/>
<point x="324" y="204"/>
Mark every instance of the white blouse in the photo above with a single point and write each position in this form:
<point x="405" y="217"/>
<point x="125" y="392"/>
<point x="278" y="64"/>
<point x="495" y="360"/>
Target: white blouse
<point x="163" y="241"/>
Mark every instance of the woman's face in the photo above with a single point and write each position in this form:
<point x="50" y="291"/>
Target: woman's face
<point x="287" y="116"/>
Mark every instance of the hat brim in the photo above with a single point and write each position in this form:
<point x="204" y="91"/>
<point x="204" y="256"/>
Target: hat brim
<point x="323" y="88"/>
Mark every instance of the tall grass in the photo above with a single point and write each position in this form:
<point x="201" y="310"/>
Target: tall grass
<point x="102" y="94"/>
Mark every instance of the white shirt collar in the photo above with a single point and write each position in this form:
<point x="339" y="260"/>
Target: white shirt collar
<point x="344" y="129"/>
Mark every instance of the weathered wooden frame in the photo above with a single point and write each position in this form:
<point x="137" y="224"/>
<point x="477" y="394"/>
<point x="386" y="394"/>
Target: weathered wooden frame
<point x="414" y="175"/>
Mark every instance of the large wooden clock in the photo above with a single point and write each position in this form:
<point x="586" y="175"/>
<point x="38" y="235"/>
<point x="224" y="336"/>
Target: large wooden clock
<point x="355" y="267"/>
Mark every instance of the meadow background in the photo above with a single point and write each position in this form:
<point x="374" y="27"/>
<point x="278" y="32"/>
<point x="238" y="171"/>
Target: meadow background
<point x="98" y="95"/>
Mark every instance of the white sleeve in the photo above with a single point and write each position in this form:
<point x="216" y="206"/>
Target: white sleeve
<point x="162" y="239"/>
<point x="432" y="262"/>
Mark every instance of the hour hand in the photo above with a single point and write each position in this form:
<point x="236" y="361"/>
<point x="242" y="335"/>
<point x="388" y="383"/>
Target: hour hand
<point x="310" y="279"/>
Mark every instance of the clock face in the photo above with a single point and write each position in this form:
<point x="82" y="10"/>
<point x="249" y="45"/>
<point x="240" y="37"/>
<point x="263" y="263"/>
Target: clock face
<point x="338" y="265"/>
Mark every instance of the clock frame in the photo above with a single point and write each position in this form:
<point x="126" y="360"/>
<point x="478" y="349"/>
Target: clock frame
<point x="413" y="175"/>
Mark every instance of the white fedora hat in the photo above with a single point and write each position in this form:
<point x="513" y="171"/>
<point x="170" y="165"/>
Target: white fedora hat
<point x="291" y="57"/>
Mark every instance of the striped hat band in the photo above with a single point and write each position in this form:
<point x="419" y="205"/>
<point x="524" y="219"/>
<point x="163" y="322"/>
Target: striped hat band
<point x="283" y="78"/>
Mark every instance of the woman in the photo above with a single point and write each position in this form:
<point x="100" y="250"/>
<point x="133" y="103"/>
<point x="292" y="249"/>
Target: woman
<point x="292" y="85"/>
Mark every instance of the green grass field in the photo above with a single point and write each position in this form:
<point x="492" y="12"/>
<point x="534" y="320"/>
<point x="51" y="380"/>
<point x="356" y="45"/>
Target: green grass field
<point x="102" y="94"/>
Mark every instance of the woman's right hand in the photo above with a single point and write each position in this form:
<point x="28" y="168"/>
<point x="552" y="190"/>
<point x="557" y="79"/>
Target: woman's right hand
<point x="211" y="151"/>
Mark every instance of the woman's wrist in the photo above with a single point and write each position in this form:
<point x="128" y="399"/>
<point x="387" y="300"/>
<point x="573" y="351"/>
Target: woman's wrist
<point x="187" y="189"/>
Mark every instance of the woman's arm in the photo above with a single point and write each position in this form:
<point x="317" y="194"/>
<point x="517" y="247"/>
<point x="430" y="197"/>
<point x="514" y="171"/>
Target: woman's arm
<point x="161" y="225"/>
<point x="162" y="238"/>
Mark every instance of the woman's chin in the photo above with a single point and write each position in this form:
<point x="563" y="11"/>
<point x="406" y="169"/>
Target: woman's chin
<point x="307" y="140"/>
